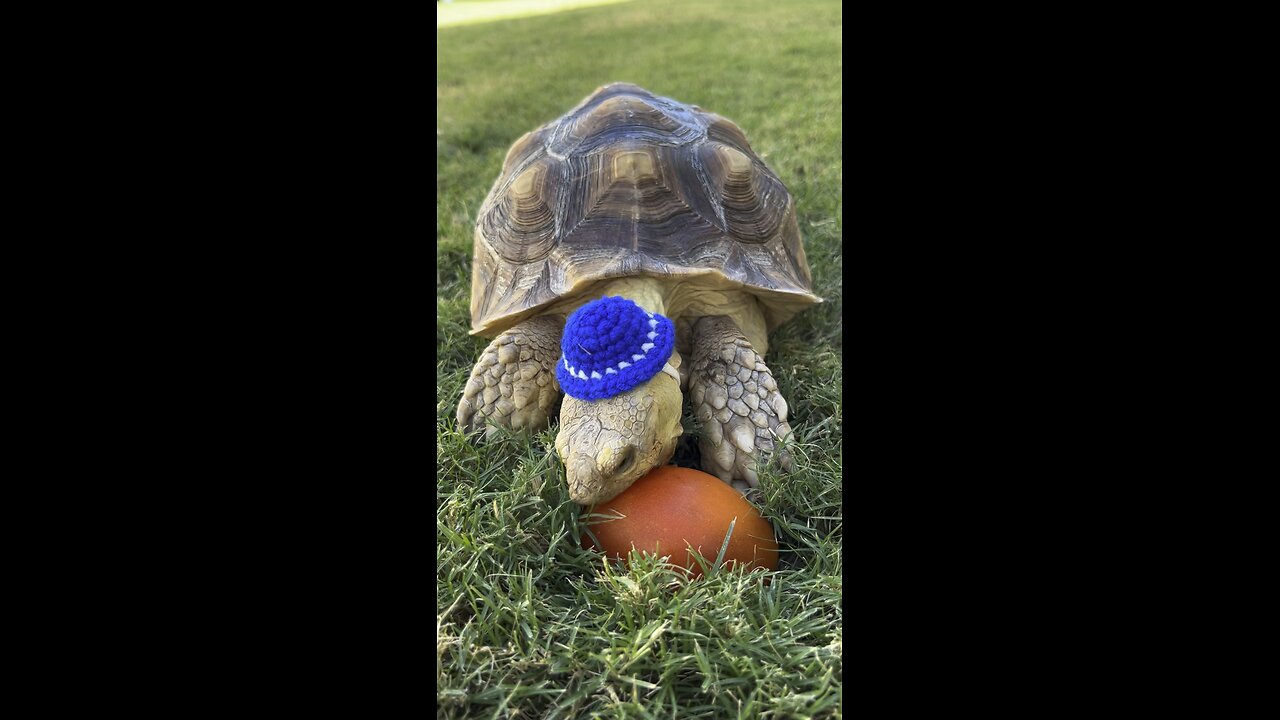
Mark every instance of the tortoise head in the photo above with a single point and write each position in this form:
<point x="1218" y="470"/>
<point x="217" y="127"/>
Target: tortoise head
<point x="607" y="444"/>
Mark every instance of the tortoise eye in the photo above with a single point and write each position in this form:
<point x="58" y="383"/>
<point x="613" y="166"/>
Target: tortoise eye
<point x="520" y="222"/>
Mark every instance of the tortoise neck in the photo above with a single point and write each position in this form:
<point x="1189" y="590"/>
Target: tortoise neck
<point x="645" y="292"/>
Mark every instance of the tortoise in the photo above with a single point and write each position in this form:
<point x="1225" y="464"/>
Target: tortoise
<point x="626" y="236"/>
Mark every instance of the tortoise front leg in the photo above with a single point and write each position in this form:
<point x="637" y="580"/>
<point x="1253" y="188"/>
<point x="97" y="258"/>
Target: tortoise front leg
<point x="513" y="384"/>
<point x="740" y="412"/>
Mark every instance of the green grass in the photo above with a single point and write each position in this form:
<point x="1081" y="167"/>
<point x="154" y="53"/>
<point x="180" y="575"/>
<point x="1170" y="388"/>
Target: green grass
<point x="528" y="624"/>
<point x="467" y="13"/>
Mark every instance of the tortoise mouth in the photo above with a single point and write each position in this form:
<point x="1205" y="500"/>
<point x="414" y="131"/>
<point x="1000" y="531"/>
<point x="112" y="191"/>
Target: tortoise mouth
<point x="589" y="483"/>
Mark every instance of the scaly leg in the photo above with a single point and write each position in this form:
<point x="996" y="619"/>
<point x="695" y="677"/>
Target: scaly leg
<point x="734" y="396"/>
<point x="513" y="384"/>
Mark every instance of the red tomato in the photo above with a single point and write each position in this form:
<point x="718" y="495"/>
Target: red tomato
<point x="673" y="508"/>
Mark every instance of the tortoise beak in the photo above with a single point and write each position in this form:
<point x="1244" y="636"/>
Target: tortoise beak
<point x="584" y="479"/>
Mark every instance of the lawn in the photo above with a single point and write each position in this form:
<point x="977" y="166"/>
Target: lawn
<point x="529" y="624"/>
<point x="468" y="13"/>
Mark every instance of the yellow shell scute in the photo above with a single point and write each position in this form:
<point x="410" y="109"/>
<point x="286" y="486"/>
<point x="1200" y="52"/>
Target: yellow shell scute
<point x="736" y="160"/>
<point x="635" y="165"/>
<point x="524" y="184"/>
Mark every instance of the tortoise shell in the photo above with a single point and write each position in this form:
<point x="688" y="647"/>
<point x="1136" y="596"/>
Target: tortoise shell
<point x="632" y="184"/>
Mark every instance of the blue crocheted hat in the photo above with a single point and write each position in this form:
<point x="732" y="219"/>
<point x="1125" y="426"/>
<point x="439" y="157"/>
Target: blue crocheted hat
<point x="611" y="345"/>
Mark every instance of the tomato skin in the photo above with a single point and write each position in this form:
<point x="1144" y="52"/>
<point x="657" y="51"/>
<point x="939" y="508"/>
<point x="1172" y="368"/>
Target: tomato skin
<point x="672" y="506"/>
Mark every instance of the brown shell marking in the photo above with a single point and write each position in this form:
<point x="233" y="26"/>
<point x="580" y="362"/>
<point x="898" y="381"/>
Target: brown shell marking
<point x="521" y="219"/>
<point x="754" y="202"/>
<point x="626" y="184"/>
<point x="623" y="110"/>
<point x="633" y="206"/>
<point x="530" y="145"/>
